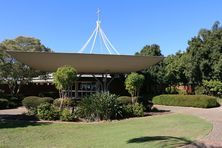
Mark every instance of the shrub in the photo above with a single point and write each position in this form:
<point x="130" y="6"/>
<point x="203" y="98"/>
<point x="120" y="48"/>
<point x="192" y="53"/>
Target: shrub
<point x="200" y="90"/>
<point x="125" y="100"/>
<point x="133" y="110"/>
<point x="137" y="110"/>
<point x="127" y="111"/>
<point x="47" y="99"/>
<point x="3" y="103"/>
<point x="201" y="101"/>
<point x="171" y="90"/>
<point x="145" y="99"/>
<point x="46" y="111"/>
<point x="99" y="106"/>
<point x="181" y="92"/>
<point x="32" y="102"/>
<point x="67" y="115"/>
<point x="67" y="102"/>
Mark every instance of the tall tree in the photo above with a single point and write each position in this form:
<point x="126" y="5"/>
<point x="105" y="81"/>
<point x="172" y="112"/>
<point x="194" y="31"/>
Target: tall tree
<point x="154" y="75"/>
<point x="12" y="72"/>
<point x="150" y="50"/>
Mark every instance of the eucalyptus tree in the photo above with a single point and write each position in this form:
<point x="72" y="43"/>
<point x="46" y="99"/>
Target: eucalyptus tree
<point x="12" y="72"/>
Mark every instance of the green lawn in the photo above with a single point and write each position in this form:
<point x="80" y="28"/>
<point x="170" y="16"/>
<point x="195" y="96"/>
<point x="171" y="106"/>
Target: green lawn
<point x="169" y="130"/>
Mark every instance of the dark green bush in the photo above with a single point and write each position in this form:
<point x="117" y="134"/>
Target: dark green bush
<point x="133" y="110"/>
<point x="32" y="102"/>
<point x="3" y="103"/>
<point x="99" y="106"/>
<point x="67" y="102"/>
<point x="67" y="115"/>
<point x="127" y="111"/>
<point x="146" y="100"/>
<point x="47" y="111"/>
<point x="201" y="101"/>
<point x="125" y="100"/>
<point x="137" y="110"/>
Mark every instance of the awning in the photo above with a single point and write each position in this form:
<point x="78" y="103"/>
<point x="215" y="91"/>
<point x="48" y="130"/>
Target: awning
<point x="85" y="63"/>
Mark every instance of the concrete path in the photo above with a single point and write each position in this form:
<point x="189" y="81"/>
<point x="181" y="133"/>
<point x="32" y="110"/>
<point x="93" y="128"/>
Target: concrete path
<point x="214" y="115"/>
<point x="16" y="111"/>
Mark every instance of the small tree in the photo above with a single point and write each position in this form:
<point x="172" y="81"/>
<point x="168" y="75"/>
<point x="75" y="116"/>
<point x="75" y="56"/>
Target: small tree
<point x="133" y="83"/>
<point x="63" y="79"/>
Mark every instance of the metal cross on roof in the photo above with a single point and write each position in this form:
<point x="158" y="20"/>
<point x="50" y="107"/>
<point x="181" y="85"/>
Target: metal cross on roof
<point x="98" y="31"/>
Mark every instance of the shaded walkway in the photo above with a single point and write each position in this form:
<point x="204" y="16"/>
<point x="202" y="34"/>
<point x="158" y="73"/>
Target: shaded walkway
<point x="213" y="115"/>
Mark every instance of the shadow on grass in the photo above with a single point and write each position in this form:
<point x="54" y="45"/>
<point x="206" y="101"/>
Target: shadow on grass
<point x="19" y="124"/>
<point x="167" y="141"/>
<point x="15" y="121"/>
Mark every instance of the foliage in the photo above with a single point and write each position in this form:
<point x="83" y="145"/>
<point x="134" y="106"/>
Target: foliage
<point x="32" y="102"/>
<point x="154" y="75"/>
<point x="67" y="115"/>
<point x="127" y="111"/>
<point x="12" y="72"/>
<point x="47" y="111"/>
<point x="200" y="90"/>
<point x="64" y="79"/>
<point x="133" y="110"/>
<point x="47" y="99"/>
<point x="138" y="110"/>
<point x="171" y="90"/>
<point x="200" y="101"/>
<point x="213" y="87"/>
<point x="133" y="83"/>
<point x="150" y="50"/>
<point x="3" y="103"/>
<point x="125" y="100"/>
<point x="99" y="106"/>
<point x="146" y="101"/>
<point x="202" y="60"/>
<point x="67" y="102"/>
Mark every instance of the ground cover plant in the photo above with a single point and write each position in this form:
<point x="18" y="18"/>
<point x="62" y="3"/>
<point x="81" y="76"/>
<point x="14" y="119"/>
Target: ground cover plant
<point x="201" y="101"/>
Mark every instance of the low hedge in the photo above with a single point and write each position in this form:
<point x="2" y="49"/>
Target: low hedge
<point x="200" y="101"/>
<point x="67" y="102"/>
<point x="125" y="100"/>
<point x="3" y="103"/>
<point x="32" y="102"/>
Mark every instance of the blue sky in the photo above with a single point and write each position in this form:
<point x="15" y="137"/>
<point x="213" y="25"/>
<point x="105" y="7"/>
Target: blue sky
<point x="64" y="26"/>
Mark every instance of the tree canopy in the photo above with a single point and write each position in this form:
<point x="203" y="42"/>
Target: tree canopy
<point x="13" y="72"/>
<point x="133" y="83"/>
<point x="64" y="78"/>
<point x="150" y="50"/>
<point x="202" y="60"/>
